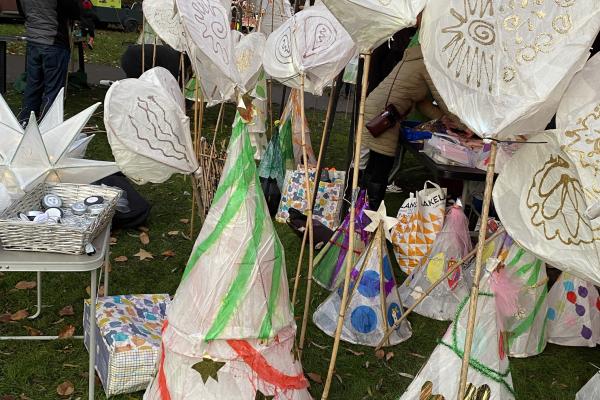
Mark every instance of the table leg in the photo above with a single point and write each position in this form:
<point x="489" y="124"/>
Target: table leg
<point x="39" y="296"/>
<point x="106" y="272"/>
<point x="92" y="319"/>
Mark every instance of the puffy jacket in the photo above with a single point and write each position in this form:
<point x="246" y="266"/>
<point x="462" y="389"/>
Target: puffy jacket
<point x="47" y="21"/>
<point x="408" y="84"/>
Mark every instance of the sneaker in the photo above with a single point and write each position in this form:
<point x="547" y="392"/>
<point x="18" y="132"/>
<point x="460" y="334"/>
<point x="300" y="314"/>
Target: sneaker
<point x="393" y="189"/>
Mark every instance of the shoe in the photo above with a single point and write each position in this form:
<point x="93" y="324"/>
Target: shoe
<point x="393" y="189"/>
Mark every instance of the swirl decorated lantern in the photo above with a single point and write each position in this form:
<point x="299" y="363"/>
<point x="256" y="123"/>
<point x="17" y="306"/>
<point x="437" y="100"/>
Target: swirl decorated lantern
<point x="165" y="21"/>
<point x="555" y="187"/>
<point x="313" y="43"/>
<point x="147" y="128"/>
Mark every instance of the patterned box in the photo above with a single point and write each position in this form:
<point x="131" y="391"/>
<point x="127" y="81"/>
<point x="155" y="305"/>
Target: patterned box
<point x="127" y="339"/>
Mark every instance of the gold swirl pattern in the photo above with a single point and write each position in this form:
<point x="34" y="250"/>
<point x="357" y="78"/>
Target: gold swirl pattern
<point x="557" y="204"/>
<point x="482" y="32"/>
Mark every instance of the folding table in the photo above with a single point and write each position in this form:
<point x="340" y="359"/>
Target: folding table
<point x="24" y="261"/>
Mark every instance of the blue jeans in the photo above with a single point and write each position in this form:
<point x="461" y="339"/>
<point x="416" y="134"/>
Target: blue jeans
<point x="46" y="68"/>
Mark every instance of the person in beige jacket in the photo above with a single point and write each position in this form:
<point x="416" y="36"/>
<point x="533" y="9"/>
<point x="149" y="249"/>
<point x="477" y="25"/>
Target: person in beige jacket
<point x="407" y="86"/>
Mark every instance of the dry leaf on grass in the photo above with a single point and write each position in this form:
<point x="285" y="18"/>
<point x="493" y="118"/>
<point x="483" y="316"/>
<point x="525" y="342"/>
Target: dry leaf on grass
<point x="113" y="240"/>
<point x="67" y="365"/>
<point x="356" y="353"/>
<point x="65" y="389"/>
<point x="60" y="321"/>
<point x="121" y="259"/>
<point x="6" y="317"/>
<point x="184" y="221"/>
<point x="389" y="356"/>
<point x="380" y="354"/>
<point x="66" y="332"/>
<point x="417" y="355"/>
<point x="143" y="229"/>
<point x="24" y="285"/>
<point x="314" y="377"/>
<point x="31" y="331"/>
<point x="173" y="233"/>
<point x="66" y="311"/>
<point x="19" y="315"/>
<point x="144" y="238"/>
<point x="168" y="253"/>
<point x="143" y="255"/>
<point x="405" y="375"/>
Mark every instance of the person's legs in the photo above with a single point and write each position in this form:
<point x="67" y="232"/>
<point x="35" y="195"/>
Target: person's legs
<point x="55" y="65"/>
<point x="376" y="177"/>
<point x="34" y="90"/>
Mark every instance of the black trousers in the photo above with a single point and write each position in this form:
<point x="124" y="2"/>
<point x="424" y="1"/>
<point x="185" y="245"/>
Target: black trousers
<point x="375" y="178"/>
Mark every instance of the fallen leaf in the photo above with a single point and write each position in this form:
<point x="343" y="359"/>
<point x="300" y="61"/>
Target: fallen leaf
<point x="367" y="364"/>
<point x="168" y="253"/>
<point x="405" y="375"/>
<point x="66" y="332"/>
<point x="5" y="317"/>
<point x="339" y="378"/>
<point x="318" y="346"/>
<point x="143" y="255"/>
<point x="184" y="221"/>
<point x="67" y="365"/>
<point x="19" y="315"/>
<point x="143" y="229"/>
<point x="60" y="321"/>
<point x="121" y="259"/>
<point x="65" y="389"/>
<point x="314" y="377"/>
<point x="66" y="311"/>
<point x="113" y="240"/>
<point x="380" y="354"/>
<point x="24" y="285"/>
<point x="417" y="355"/>
<point x="88" y="290"/>
<point x="356" y="353"/>
<point x="31" y="331"/>
<point x="173" y="233"/>
<point x="144" y="238"/>
<point x="389" y="356"/>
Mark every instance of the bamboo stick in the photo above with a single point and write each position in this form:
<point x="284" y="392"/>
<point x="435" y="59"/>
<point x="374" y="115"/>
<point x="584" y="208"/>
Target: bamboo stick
<point x="382" y="296"/>
<point x="312" y="200"/>
<point x="340" y="322"/>
<point x="309" y="223"/>
<point x="196" y="144"/>
<point x="143" y="45"/>
<point x="154" y="53"/>
<point x="450" y="271"/>
<point x="487" y="198"/>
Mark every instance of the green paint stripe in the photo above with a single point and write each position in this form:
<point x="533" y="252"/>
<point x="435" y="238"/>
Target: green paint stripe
<point x="528" y="322"/>
<point x="238" y="288"/>
<point x="241" y="170"/>
<point x="515" y="261"/>
<point x="267" y="324"/>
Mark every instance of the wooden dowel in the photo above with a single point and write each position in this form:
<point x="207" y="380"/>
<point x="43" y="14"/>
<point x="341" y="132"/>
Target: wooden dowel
<point x="341" y="316"/>
<point x="487" y="198"/>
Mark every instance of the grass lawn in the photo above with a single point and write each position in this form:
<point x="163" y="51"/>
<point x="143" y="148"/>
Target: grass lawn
<point x="35" y="369"/>
<point x="108" y="44"/>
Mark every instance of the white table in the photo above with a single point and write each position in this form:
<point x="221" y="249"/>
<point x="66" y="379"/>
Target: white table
<point x="23" y="261"/>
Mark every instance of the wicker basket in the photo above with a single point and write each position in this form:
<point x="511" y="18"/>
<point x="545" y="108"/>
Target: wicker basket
<point x="16" y="234"/>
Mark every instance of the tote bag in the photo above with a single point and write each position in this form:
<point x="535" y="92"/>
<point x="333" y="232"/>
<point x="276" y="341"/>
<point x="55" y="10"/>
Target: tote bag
<point x="420" y="218"/>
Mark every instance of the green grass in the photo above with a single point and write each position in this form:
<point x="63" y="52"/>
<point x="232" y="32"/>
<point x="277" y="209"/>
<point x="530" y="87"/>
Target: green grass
<point x="35" y="369"/>
<point x="108" y="44"/>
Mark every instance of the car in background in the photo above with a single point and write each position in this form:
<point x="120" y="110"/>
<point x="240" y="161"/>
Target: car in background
<point x="126" y="16"/>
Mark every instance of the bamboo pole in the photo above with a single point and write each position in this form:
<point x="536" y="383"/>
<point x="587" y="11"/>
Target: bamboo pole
<point x="154" y="53"/>
<point x="382" y="295"/>
<point x="340" y="322"/>
<point x="143" y="45"/>
<point x="311" y="204"/>
<point x="196" y="145"/>
<point x="489" y="184"/>
<point x="324" y="143"/>
<point x="309" y="222"/>
<point x="450" y="271"/>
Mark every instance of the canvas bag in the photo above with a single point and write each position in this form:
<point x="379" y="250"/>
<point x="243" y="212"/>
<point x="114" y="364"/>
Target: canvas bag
<point x="420" y="219"/>
<point x="329" y="197"/>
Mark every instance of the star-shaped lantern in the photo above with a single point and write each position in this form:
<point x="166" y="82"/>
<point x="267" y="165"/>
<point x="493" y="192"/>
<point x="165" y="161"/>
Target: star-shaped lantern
<point x="380" y="217"/>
